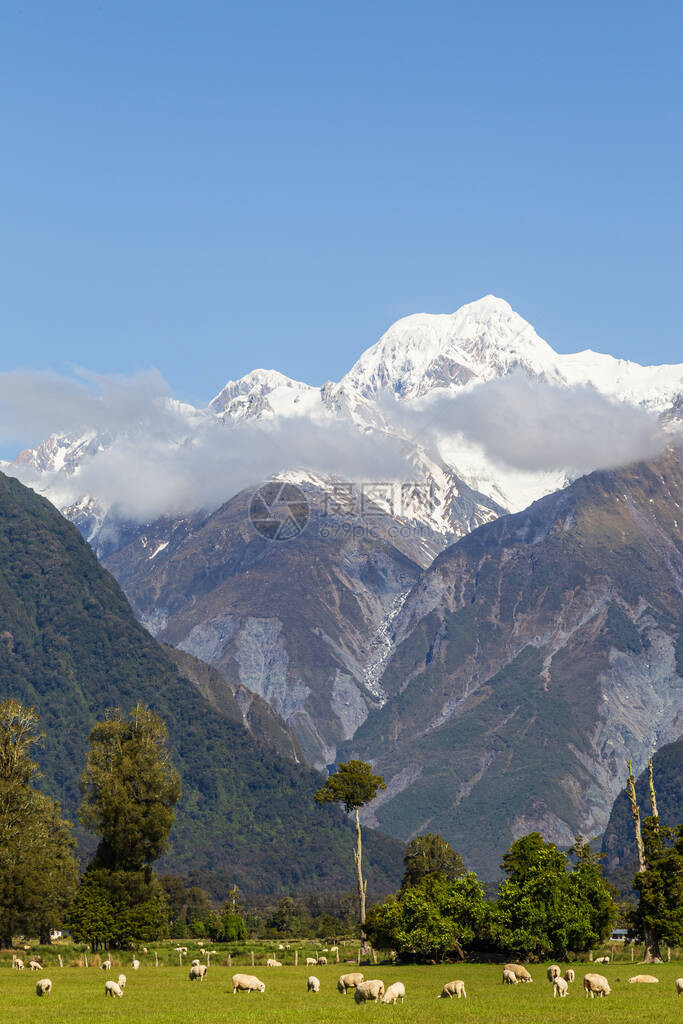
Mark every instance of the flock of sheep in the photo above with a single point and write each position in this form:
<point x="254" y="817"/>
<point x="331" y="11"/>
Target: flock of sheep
<point x="372" y="990"/>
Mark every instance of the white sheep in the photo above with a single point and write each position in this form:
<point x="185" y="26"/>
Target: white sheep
<point x="122" y="981"/>
<point x="17" y="963"/>
<point x="394" y="992"/>
<point x="112" y="989"/>
<point x="369" y="991"/>
<point x="679" y="986"/>
<point x="519" y="972"/>
<point x="35" y="965"/>
<point x="195" y="963"/>
<point x="643" y="979"/>
<point x="272" y="962"/>
<point x="106" y="965"/>
<point x="348" y="981"/>
<point x="312" y="983"/>
<point x="553" y="972"/>
<point x="510" y="978"/>
<point x="135" y="964"/>
<point x="569" y="975"/>
<point x="246" y="983"/>
<point x="198" y="971"/>
<point x="602" y="960"/>
<point x="44" y="987"/>
<point x="596" y="985"/>
<point x="311" y="961"/>
<point x="453" y="988"/>
<point x="560" y="987"/>
<point x="322" y="961"/>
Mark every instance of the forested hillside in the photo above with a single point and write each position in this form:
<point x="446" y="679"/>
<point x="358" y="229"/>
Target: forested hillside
<point x="70" y="645"/>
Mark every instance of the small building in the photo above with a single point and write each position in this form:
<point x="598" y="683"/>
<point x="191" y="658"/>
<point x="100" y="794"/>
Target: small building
<point x="619" y="935"/>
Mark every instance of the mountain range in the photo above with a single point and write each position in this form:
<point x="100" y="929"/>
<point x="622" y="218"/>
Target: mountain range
<point x="466" y="595"/>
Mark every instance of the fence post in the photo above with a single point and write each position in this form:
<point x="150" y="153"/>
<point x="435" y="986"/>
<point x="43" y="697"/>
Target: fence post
<point x="59" y="957"/>
<point x="229" y="959"/>
<point x="156" y="958"/>
<point x="252" y="958"/>
<point x="296" y="957"/>
<point x="85" y="958"/>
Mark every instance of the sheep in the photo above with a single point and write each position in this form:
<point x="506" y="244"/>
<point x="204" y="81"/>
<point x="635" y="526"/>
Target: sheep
<point x="135" y="964"/>
<point x="510" y="978"/>
<point x="312" y="983"/>
<point x="17" y="963"/>
<point x="519" y="972"/>
<point x="122" y="981"/>
<point x="311" y="961"/>
<point x="44" y="987"/>
<point x="197" y="971"/>
<point x="453" y="988"/>
<point x="271" y="962"/>
<point x="112" y="989"/>
<point x="195" y="963"/>
<point x="602" y="960"/>
<point x="106" y="965"/>
<point x="348" y="981"/>
<point x="596" y="984"/>
<point x="369" y="991"/>
<point x="246" y="983"/>
<point x="394" y="992"/>
<point x="560" y="987"/>
<point x="322" y="961"/>
<point x="35" y="965"/>
<point x="553" y="972"/>
<point x="569" y="975"/>
<point x="334" y="949"/>
<point x="643" y="979"/>
<point x="679" y="986"/>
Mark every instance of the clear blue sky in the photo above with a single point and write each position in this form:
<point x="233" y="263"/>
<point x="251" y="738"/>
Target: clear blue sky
<point x="276" y="183"/>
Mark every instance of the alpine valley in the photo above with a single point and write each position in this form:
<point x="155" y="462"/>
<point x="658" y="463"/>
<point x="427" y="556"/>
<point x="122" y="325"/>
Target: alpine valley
<point x="484" y="600"/>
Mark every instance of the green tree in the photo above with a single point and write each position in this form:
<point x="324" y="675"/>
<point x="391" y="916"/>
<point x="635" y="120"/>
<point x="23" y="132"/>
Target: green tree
<point x="659" y="913"/>
<point x="544" y="909"/>
<point x="38" y="871"/>
<point x="354" y="785"/>
<point x="430" y="854"/>
<point x="130" y="789"/>
<point x="91" y="915"/>
<point x="434" y="919"/>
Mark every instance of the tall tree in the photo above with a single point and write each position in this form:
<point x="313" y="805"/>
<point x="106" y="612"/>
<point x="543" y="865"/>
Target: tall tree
<point x="130" y="789"/>
<point x="644" y="920"/>
<point x="354" y="785"/>
<point x="430" y="854"/>
<point x="38" y="871"/>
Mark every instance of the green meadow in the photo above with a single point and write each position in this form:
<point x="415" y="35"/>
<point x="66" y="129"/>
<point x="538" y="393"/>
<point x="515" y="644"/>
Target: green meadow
<point x="165" y="994"/>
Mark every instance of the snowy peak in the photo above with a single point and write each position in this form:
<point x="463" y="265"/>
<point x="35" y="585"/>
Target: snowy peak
<point x="481" y="340"/>
<point x="261" y="392"/>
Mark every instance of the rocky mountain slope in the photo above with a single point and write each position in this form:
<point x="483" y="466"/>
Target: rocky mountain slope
<point x="71" y="646"/>
<point x="618" y="844"/>
<point x="530" y="660"/>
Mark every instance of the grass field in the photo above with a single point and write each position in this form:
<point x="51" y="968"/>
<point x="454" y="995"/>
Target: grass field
<point x="166" y="995"/>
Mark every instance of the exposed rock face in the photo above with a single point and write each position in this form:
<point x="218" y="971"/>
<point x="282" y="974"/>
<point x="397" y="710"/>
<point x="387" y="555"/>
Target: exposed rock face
<point x="530" y="661"/>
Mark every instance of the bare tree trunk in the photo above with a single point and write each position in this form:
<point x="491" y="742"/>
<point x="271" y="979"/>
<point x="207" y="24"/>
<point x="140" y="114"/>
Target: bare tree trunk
<point x="362" y="884"/>
<point x="653" y="795"/>
<point x="651" y="952"/>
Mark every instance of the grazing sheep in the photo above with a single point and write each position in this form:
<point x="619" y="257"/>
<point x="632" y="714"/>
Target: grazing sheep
<point x="679" y="986"/>
<point x="369" y="991"/>
<point x="348" y="981"/>
<point x="334" y="949"/>
<point x="144" y="949"/>
<point x="246" y="983"/>
<point x="35" y="965"/>
<point x="44" y="987"/>
<point x="569" y="975"/>
<point x="311" y="961"/>
<point x="17" y="963"/>
<point x="596" y="985"/>
<point x="135" y="964"/>
<point x="394" y="992"/>
<point x="270" y="962"/>
<point x="643" y="979"/>
<point x="553" y="972"/>
<point x="602" y="960"/>
<point x="519" y="972"/>
<point x="122" y="981"/>
<point x="112" y="989"/>
<point x="312" y="984"/>
<point x="453" y="988"/>
<point x="195" y="963"/>
<point x="106" y="965"/>
<point x="510" y="978"/>
<point x="197" y="971"/>
<point x="560" y="987"/>
<point x="322" y="961"/>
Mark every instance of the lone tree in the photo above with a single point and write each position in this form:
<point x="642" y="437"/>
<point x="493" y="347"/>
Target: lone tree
<point x="38" y="871"/>
<point x="354" y="785"/>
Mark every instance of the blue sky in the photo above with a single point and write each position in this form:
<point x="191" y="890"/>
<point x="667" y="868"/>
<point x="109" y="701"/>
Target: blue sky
<point x="274" y="184"/>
